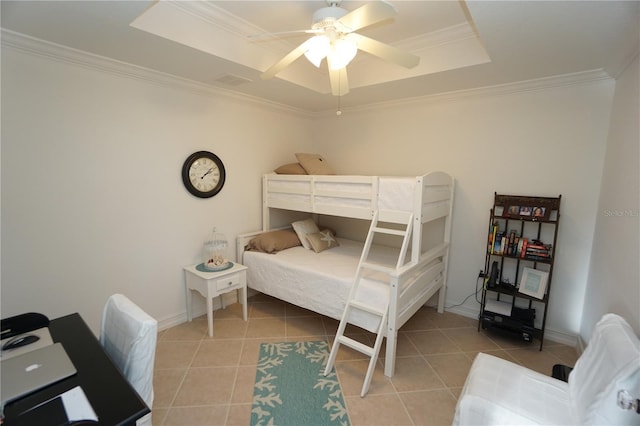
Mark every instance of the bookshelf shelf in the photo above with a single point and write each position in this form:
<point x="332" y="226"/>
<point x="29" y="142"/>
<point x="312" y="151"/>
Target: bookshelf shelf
<point x="520" y="255"/>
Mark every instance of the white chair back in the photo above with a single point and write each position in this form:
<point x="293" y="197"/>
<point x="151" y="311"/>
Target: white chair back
<point x="129" y="335"/>
<point x="611" y="362"/>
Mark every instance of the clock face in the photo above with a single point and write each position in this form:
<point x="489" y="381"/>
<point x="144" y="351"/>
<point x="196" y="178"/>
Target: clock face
<point x="203" y="174"/>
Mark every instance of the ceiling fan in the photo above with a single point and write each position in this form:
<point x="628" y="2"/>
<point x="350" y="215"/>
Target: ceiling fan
<point x="336" y="41"/>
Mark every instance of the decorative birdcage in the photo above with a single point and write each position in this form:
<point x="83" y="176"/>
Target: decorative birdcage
<point x="215" y="251"/>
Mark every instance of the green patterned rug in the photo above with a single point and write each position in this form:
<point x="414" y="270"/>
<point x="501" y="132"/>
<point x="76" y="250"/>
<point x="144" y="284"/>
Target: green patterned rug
<point x="290" y="387"/>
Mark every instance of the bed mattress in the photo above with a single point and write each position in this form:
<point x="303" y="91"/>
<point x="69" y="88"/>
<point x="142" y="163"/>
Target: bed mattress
<point x="321" y="281"/>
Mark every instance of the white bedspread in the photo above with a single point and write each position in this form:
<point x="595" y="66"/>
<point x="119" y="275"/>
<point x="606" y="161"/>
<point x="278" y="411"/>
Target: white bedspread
<point x="321" y="281"/>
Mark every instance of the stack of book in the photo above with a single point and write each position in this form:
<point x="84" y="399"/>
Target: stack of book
<point x="536" y="250"/>
<point x="511" y="244"/>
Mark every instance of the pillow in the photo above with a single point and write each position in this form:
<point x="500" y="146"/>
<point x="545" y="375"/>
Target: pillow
<point x="304" y="227"/>
<point x="291" y="169"/>
<point x="321" y="241"/>
<point x="314" y="164"/>
<point x="274" y="241"/>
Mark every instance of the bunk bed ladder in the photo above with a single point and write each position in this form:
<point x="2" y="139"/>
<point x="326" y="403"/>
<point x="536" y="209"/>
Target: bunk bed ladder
<point x="355" y="305"/>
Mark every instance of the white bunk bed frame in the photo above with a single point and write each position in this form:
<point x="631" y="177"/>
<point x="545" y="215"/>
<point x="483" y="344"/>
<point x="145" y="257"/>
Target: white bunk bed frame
<point x="414" y="283"/>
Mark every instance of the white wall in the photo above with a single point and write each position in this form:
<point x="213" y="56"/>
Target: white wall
<point x="614" y="276"/>
<point x="92" y="197"/>
<point x="542" y="142"/>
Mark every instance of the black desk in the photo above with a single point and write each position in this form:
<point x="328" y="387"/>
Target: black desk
<point x="110" y="394"/>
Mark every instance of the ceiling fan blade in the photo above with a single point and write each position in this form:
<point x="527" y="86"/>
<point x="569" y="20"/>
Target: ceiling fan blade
<point x="385" y="51"/>
<point x="338" y="79"/>
<point x="286" y="61"/>
<point x="368" y="14"/>
<point x="262" y="36"/>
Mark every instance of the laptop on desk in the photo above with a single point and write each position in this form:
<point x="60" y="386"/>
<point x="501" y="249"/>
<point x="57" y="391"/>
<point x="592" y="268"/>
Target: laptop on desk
<point x="33" y="370"/>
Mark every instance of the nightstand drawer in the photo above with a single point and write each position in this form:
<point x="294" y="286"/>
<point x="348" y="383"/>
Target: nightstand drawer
<point x="228" y="282"/>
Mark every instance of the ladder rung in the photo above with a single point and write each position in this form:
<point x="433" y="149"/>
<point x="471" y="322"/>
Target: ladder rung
<point x="378" y="267"/>
<point x="367" y="308"/>
<point x="354" y="344"/>
<point x="389" y="231"/>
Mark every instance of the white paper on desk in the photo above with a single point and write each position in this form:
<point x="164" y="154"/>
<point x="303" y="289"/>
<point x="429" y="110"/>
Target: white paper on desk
<point x="499" y="307"/>
<point x="77" y="405"/>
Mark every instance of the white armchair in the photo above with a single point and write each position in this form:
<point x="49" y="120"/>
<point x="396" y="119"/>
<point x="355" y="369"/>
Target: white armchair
<point x="498" y="392"/>
<point x="129" y="335"/>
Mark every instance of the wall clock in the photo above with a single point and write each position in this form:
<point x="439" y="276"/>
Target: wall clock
<point x="203" y="174"/>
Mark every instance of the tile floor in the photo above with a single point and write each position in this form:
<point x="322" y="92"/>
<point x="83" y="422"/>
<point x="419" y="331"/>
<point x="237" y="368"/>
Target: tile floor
<point x="201" y="380"/>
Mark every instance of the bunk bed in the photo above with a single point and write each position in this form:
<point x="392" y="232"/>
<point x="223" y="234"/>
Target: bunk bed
<point x="321" y="281"/>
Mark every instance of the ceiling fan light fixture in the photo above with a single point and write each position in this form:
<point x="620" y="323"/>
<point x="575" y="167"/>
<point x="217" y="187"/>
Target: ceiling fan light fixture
<point x="343" y="52"/>
<point x="319" y="48"/>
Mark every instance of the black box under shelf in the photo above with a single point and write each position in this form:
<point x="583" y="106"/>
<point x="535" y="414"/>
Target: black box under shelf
<point x="515" y="327"/>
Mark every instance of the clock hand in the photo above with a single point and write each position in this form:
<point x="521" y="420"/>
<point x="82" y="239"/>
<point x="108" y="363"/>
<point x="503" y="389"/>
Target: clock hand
<point x="208" y="171"/>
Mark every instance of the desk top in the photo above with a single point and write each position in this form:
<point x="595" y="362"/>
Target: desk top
<point x="110" y="394"/>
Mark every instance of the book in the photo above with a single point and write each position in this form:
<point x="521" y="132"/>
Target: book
<point x="525" y="242"/>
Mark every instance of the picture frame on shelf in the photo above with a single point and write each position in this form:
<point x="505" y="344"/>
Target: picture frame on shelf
<point x="538" y="212"/>
<point x="533" y="282"/>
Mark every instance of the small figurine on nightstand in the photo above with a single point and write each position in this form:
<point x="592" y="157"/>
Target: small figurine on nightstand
<point x="215" y="252"/>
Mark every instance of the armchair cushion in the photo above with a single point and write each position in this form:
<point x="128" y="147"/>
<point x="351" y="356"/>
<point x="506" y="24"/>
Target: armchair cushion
<point x="610" y="362"/>
<point x="499" y="392"/>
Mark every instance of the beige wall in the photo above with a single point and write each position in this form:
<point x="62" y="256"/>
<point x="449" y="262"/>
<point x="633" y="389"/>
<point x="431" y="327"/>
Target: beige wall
<point x="614" y="278"/>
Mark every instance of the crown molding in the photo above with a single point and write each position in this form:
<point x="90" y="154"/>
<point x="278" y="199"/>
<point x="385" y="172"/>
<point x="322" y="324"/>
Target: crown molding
<point x="545" y="83"/>
<point x="59" y="53"/>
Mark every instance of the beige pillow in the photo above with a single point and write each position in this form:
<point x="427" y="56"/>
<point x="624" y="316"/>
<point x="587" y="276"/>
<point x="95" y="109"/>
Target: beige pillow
<point x="291" y="169"/>
<point x="274" y="241"/>
<point x="321" y="241"/>
<point x="304" y="227"/>
<point x="314" y="164"/>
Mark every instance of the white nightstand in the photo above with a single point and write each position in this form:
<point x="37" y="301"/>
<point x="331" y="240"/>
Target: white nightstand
<point x="214" y="284"/>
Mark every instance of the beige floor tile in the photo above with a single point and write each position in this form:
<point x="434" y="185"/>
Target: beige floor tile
<point x="305" y="326"/>
<point x="419" y="321"/>
<point x="267" y="310"/>
<point x="194" y="330"/>
<point x="434" y="407"/>
<point x="351" y="376"/>
<point x="206" y="386"/>
<point x="451" y="368"/>
<point x="166" y="383"/>
<point x="158" y="415"/>
<point x="266" y="327"/>
<point x="239" y="415"/>
<point x="449" y="320"/>
<point x="251" y="350"/>
<point x="468" y="339"/>
<point x="404" y="347"/>
<point x="218" y="353"/>
<point x="377" y="410"/>
<point x="175" y="354"/>
<point x="414" y="373"/>
<point x="228" y="329"/>
<point x="214" y="415"/>
<point x="243" y="387"/>
<point x="432" y="342"/>
<point x="566" y="354"/>
<point x="233" y="311"/>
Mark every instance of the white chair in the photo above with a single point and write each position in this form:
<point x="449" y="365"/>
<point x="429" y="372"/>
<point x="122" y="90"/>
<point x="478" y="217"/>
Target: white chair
<point x="498" y="392"/>
<point x="129" y="335"/>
